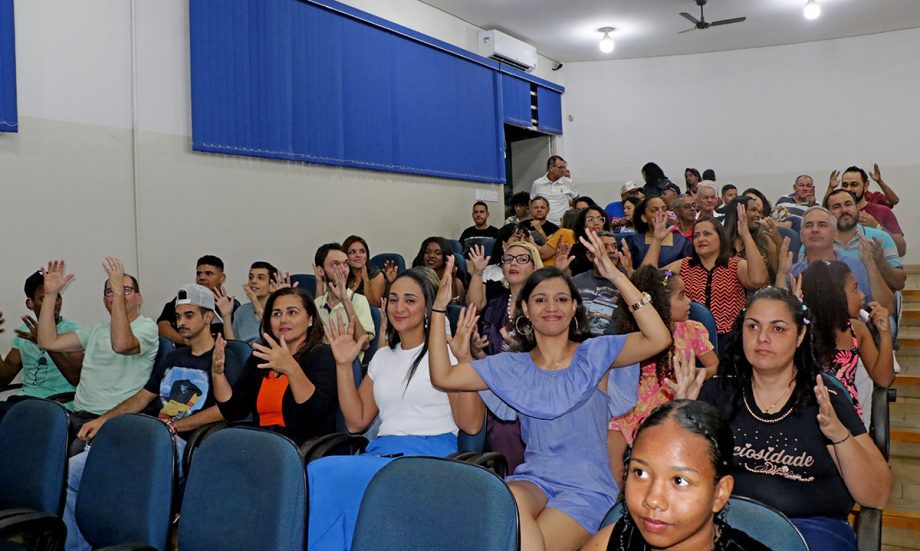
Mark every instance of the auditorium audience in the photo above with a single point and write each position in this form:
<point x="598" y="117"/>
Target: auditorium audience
<point x="795" y="203"/>
<point x="556" y="188"/>
<point x="629" y="189"/>
<point x="434" y="254"/>
<point x="209" y="271"/>
<point x="557" y="385"/>
<point x="655" y="180"/>
<point x="625" y="225"/>
<point x="691" y="180"/>
<point x="539" y="225"/>
<point x="248" y="317"/>
<point x="591" y="219"/>
<point x="363" y="278"/>
<point x="331" y="265"/>
<point x="707" y="199"/>
<point x="654" y="243"/>
<point x="871" y="214"/>
<point x="44" y="373"/>
<point x="762" y="230"/>
<point x="480" y="230"/>
<point x="800" y="446"/>
<point x="679" y="479"/>
<point x="684" y="206"/>
<point x="289" y="383"/>
<point x="118" y="352"/>
<point x="729" y="192"/>
<point x="598" y="296"/>
<point x="416" y="418"/>
<point x="520" y="205"/>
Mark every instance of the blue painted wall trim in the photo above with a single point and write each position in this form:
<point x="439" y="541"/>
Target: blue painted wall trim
<point x="9" y="118"/>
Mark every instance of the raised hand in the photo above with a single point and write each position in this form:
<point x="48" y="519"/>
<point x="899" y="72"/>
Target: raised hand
<point x="277" y="355"/>
<point x="478" y="258"/>
<point x="384" y="318"/>
<point x="282" y="280"/>
<point x="867" y="219"/>
<point x="466" y="327"/>
<point x="338" y="284"/>
<point x="876" y="174"/>
<point x="834" y="181"/>
<point x="797" y="287"/>
<point x="660" y="227"/>
<point x="446" y="285"/>
<point x="689" y="379"/>
<point x="478" y="345"/>
<point x="784" y="263"/>
<point x="390" y="271"/>
<point x="55" y="281"/>
<point x="626" y="259"/>
<point x="218" y="356"/>
<point x="250" y="294"/>
<point x="879" y="316"/>
<point x="345" y="348"/>
<point x="865" y="252"/>
<point x="828" y="421"/>
<point x="30" y="335"/>
<point x="743" y="229"/>
<point x="562" y="256"/>
<point x="878" y="253"/>
<point x="224" y="303"/>
<point x="116" y="272"/>
<point x="605" y="267"/>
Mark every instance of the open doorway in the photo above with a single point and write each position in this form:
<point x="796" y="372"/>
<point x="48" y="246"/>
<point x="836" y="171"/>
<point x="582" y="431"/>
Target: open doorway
<point x="526" y="152"/>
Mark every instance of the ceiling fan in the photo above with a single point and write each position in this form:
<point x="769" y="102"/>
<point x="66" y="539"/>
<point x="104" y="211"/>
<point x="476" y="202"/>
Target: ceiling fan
<point x="702" y="24"/>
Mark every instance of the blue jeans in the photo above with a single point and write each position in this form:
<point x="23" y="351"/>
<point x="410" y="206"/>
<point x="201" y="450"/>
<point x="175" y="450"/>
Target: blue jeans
<point x="826" y="534"/>
<point x="75" y="539"/>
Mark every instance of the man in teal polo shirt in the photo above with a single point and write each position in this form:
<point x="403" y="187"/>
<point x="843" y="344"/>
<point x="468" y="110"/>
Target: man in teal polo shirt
<point x="119" y="352"/>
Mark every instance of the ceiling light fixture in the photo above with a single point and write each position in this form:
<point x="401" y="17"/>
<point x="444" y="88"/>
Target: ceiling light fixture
<point x="812" y="10"/>
<point x="606" y="44"/>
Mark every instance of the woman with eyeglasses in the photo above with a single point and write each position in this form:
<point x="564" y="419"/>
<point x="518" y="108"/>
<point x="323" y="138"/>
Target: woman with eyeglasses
<point x="593" y="219"/>
<point x="518" y="262"/>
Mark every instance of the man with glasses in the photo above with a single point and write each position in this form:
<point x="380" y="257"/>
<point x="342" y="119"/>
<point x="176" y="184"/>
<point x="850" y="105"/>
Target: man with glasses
<point x="119" y="352"/>
<point x="558" y="190"/>
<point x="43" y="373"/>
<point x="684" y="207"/>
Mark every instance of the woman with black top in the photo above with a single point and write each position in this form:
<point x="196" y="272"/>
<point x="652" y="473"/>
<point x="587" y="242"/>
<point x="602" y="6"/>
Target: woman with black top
<point x="677" y="485"/>
<point x="594" y="219"/>
<point x="289" y="383"/>
<point x="800" y="447"/>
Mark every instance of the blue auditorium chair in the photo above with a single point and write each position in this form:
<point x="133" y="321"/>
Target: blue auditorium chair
<point x="306" y="282"/>
<point x="700" y="313"/>
<point x="378" y="261"/>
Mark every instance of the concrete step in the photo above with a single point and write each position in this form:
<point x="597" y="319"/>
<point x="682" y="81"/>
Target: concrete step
<point x="905" y="495"/>
<point x="905" y="442"/>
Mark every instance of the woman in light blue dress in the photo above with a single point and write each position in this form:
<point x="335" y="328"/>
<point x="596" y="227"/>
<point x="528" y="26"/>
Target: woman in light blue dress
<point x="562" y="388"/>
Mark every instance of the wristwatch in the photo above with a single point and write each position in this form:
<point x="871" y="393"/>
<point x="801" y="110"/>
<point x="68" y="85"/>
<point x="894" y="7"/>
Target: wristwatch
<point x="646" y="298"/>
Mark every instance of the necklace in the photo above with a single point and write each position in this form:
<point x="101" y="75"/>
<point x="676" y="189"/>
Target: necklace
<point x="747" y="406"/>
<point x="782" y="396"/>
<point x="510" y="308"/>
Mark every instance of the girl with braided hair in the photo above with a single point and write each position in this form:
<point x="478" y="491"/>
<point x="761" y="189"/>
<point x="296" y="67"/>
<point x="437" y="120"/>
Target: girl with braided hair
<point x="800" y="447"/>
<point x="688" y="338"/>
<point x="678" y="482"/>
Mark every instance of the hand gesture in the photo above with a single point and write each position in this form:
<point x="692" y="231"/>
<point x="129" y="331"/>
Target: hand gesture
<point x="626" y="259"/>
<point x="784" y="263"/>
<point x="797" y="287"/>
<point x="828" y="422"/>
<point x="878" y="253"/>
<point x="342" y="340"/>
<point x="562" y="256"/>
<point x="250" y="294"/>
<point x="879" y="317"/>
<point x="478" y="345"/>
<point x="876" y="174"/>
<point x="689" y="379"/>
<point x="446" y="286"/>
<point x="466" y="328"/>
<point x="390" y="271"/>
<point x="867" y="219"/>
<point x="224" y="303"/>
<point x="277" y="355"/>
<point x="31" y="324"/>
<point x="834" y="181"/>
<point x="384" y="318"/>
<point x="865" y="252"/>
<point x="743" y="229"/>
<point x="89" y="430"/>
<point x="660" y="227"/>
<point x="478" y="258"/>
<point x="282" y="280"/>
<point x="337" y="284"/>
<point x="55" y="281"/>
<point x="116" y="272"/>
<point x="605" y="267"/>
<point x="218" y="356"/>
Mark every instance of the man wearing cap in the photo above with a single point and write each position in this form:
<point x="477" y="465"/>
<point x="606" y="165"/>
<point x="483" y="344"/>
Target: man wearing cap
<point x="181" y="383"/>
<point x="629" y="189"/>
<point x="558" y="190"/>
<point x="118" y="353"/>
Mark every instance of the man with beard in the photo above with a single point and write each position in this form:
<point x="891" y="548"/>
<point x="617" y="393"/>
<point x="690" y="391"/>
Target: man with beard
<point x="480" y="230"/>
<point x="850" y="233"/>
<point x="873" y="215"/>
<point x="819" y="229"/>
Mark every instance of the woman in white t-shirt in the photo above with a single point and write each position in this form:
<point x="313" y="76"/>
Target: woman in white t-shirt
<point x="416" y="418"/>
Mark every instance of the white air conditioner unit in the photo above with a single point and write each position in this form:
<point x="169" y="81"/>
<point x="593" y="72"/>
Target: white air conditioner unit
<point x="507" y="49"/>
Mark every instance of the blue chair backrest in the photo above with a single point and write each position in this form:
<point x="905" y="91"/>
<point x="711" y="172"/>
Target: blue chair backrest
<point x="460" y="263"/>
<point x="305" y="281"/>
<point x="700" y="313"/>
<point x="440" y="501"/>
<point x="126" y="493"/>
<point x="165" y="348"/>
<point x="34" y="439"/>
<point x="455" y="245"/>
<point x="369" y="353"/>
<point x="488" y="245"/>
<point x="795" y="242"/>
<point x="764" y="523"/>
<point x="247" y="489"/>
<point x="378" y="260"/>
<point x="473" y="442"/>
<point x="453" y="316"/>
<point x="240" y="351"/>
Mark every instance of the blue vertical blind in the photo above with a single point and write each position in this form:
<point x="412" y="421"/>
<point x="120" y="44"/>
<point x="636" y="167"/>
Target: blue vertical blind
<point x="549" y="107"/>
<point x="9" y="119"/>
<point x="324" y="83"/>
<point x="516" y="101"/>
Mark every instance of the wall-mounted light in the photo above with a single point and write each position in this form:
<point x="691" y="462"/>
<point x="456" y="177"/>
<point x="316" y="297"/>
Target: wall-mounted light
<point x="606" y="44"/>
<point x="812" y="9"/>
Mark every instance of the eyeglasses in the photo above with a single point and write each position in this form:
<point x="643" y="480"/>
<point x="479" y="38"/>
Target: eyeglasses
<point x="593" y="219"/>
<point x="126" y="290"/>
<point x="519" y="258"/>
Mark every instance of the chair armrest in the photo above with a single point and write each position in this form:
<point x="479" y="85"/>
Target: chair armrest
<point x="35" y="530"/>
<point x="340" y="443"/>
<point x="7" y="513"/>
<point x="880" y="431"/>
<point x="869" y="529"/>
<point x="62" y="397"/>
<point x="494" y="461"/>
<point x="463" y="456"/>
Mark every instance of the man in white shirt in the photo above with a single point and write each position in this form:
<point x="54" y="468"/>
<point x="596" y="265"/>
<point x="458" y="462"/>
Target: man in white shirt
<point x="556" y="188"/>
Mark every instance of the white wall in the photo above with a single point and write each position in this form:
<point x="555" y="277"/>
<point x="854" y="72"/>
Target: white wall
<point x="103" y="164"/>
<point x="758" y="117"/>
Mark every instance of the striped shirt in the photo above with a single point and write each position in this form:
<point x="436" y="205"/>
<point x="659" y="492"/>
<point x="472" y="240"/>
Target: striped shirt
<point x="718" y="289"/>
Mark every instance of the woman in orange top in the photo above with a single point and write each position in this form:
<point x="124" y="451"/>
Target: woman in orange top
<point x="289" y="383"/>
